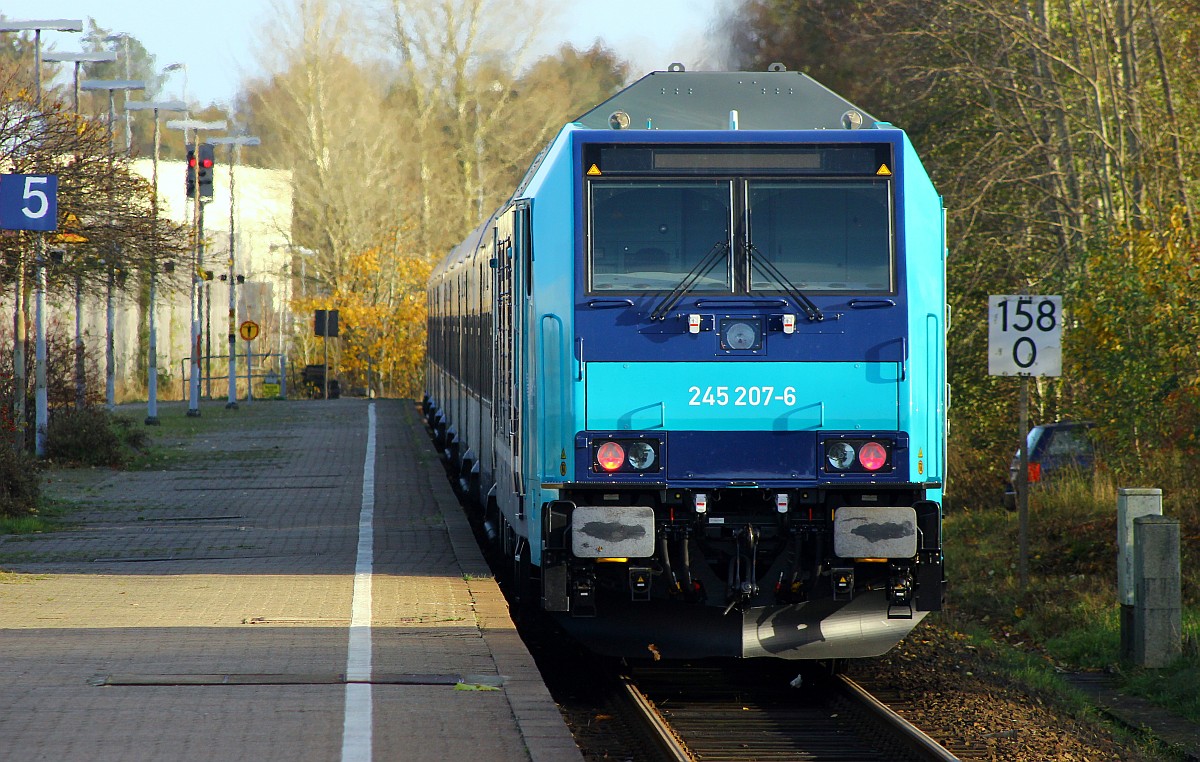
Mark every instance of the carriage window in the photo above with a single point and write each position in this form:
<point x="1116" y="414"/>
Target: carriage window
<point x="647" y="236"/>
<point x="821" y="236"/>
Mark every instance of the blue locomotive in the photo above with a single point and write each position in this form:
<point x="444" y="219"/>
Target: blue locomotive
<point x="694" y="373"/>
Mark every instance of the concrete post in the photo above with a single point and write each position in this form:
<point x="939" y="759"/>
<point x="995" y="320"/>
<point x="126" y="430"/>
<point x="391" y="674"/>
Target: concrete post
<point x="1158" y="612"/>
<point x="1131" y="504"/>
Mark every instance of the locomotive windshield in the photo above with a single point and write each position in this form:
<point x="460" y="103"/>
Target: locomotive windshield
<point x="646" y="236"/>
<point x="819" y="230"/>
<point x="821" y="236"/>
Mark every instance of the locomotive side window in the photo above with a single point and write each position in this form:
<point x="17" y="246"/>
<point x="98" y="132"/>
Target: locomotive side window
<point x="821" y="236"/>
<point x="646" y="236"/>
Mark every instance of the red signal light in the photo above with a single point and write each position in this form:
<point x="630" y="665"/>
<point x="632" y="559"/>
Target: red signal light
<point x="191" y="161"/>
<point x="207" y="163"/>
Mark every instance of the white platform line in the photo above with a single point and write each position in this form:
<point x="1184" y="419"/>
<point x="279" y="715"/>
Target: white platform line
<point x="356" y="728"/>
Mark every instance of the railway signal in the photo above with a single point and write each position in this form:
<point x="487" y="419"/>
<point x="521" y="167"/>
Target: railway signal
<point x="204" y="170"/>
<point x="190" y="183"/>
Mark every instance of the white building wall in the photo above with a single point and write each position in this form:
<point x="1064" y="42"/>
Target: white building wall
<point x="262" y="227"/>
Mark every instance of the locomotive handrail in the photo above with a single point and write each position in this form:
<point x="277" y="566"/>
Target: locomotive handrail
<point x="609" y="304"/>
<point x="871" y="304"/>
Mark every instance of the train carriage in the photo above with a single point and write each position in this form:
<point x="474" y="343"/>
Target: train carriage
<point x="694" y="372"/>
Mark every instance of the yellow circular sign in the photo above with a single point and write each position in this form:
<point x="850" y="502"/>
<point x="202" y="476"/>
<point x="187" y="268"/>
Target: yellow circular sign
<point x="248" y="330"/>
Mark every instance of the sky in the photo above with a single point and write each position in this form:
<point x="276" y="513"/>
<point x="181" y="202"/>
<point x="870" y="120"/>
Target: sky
<point x="651" y="34"/>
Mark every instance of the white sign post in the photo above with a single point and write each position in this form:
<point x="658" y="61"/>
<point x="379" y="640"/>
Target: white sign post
<point x="1024" y="335"/>
<point x="1024" y="339"/>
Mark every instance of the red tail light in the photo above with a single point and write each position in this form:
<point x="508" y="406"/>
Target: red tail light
<point x="872" y="456"/>
<point x="1035" y="473"/>
<point x="610" y="456"/>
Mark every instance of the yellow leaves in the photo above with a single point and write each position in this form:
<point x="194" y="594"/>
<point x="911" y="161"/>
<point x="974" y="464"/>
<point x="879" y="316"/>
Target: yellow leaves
<point x="380" y="296"/>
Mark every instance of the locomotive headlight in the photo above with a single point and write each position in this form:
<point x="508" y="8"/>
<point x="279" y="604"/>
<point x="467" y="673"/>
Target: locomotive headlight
<point x="641" y="455"/>
<point x="839" y="455"/>
<point x="740" y="334"/>
<point x="610" y="456"/>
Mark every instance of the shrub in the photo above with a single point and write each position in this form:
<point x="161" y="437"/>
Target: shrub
<point x="91" y="436"/>
<point x="20" y="483"/>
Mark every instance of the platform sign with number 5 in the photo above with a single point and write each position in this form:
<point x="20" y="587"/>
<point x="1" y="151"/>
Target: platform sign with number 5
<point x="29" y="202"/>
<point x="1025" y="335"/>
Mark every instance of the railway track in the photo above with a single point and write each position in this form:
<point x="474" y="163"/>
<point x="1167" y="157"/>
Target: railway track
<point x="743" y="713"/>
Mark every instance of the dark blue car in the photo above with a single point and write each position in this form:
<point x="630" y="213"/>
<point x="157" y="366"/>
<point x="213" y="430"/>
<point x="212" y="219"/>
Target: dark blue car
<point x="1053" y="449"/>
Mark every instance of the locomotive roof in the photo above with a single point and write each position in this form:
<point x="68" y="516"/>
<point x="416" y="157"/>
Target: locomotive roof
<point x="702" y="100"/>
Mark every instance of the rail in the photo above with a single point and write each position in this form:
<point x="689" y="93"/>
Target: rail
<point x="731" y="715"/>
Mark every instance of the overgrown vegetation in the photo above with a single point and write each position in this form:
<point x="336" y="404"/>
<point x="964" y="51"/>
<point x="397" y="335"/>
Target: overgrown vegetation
<point x="20" y="483"/>
<point x="1068" y="614"/>
<point x="91" y="436"/>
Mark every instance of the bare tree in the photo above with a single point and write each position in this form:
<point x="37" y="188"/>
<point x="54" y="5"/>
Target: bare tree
<point x="321" y="114"/>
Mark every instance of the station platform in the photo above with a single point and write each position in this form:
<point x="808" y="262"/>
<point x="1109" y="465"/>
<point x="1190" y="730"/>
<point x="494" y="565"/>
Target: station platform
<point x="297" y="582"/>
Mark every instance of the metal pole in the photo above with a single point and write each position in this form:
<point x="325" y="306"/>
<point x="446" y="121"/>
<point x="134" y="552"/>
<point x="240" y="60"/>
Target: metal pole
<point x="128" y="129"/>
<point x="207" y="335"/>
<point x="196" y="313"/>
<point x="152" y="348"/>
<point x="110" y="364"/>
<point x="41" y="407"/>
<point x="232" y="404"/>
<point x="1023" y="487"/>
<point x="80" y="371"/>
<point x="42" y="414"/>
<point x="198" y="259"/>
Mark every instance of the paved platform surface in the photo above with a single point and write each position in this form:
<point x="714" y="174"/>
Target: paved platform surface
<point x="203" y="612"/>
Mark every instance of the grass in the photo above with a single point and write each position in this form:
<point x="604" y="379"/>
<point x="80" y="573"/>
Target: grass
<point x="1067" y="617"/>
<point x="175" y="428"/>
<point x="25" y="525"/>
<point x="50" y="516"/>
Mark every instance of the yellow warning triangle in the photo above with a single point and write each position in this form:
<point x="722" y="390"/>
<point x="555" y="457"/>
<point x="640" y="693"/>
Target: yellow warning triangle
<point x="593" y="171"/>
<point x="883" y="171"/>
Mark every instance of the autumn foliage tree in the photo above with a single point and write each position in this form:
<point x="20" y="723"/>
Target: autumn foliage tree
<point x="380" y="298"/>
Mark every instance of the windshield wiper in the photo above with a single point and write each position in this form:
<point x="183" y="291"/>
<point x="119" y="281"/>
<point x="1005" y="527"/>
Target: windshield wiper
<point x="768" y="268"/>
<point x="701" y="268"/>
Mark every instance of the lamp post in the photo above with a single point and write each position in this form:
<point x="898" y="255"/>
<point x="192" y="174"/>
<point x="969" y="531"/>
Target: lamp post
<point x="123" y="38"/>
<point x="79" y="59"/>
<point x="80" y="373"/>
<point x="42" y="414"/>
<point x="152" y="349"/>
<point x="110" y="362"/>
<point x="37" y="27"/>
<point x="197" y="127"/>
<point x="235" y="146"/>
